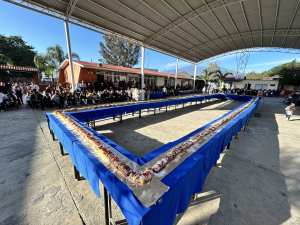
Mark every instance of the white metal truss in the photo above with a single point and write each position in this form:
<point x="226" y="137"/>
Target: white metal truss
<point x="141" y="27"/>
<point x="99" y="29"/>
<point x="242" y="63"/>
<point x="171" y="7"/>
<point x="295" y="33"/>
<point x="201" y="10"/>
<point x="292" y="20"/>
<point x="219" y="22"/>
<point x="211" y="30"/>
<point x="256" y="49"/>
<point x="149" y="6"/>
<point x="70" y="8"/>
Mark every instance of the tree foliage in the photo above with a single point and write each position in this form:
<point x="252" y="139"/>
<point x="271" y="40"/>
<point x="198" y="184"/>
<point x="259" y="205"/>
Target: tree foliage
<point x="183" y="73"/>
<point x="15" y="51"/>
<point x="221" y="75"/>
<point x="255" y="76"/>
<point x="119" y="53"/>
<point x="54" y="58"/>
<point x="206" y="76"/>
<point x="6" y="60"/>
<point x="213" y="66"/>
<point x="289" y="73"/>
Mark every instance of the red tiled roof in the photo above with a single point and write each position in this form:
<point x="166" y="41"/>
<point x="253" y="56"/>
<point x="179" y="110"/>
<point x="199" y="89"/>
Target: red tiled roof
<point x="127" y="69"/>
<point x="18" y="68"/>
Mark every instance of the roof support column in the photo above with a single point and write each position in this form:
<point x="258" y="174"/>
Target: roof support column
<point x="195" y="71"/>
<point x="176" y="73"/>
<point x="142" y="67"/>
<point x="70" y="55"/>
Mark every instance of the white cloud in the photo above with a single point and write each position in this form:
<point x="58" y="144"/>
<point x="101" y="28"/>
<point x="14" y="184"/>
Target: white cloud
<point x="272" y="63"/>
<point x="172" y="65"/>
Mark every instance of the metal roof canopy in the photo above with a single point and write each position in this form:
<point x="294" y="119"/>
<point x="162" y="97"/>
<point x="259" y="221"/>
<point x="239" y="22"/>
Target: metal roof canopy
<point x="191" y="30"/>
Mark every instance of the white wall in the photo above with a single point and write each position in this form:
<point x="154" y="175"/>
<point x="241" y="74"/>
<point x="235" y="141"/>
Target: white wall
<point x="242" y="83"/>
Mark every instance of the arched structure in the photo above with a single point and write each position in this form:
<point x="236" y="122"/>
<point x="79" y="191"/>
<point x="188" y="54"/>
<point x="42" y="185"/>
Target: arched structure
<point x="191" y="30"/>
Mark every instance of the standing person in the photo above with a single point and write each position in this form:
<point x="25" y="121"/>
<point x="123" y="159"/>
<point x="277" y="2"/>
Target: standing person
<point x="60" y="87"/>
<point x="83" y="85"/>
<point x="17" y="89"/>
<point x="203" y="90"/>
<point x="34" y="87"/>
<point x="164" y="91"/>
<point x="295" y="97"/>
<point x="2" y="100"/>
<point x="259" y="94"/>
<point x="289" y="111"/>
<point x="95" y="85"/>
<point x="278" y="93"/>
<point x="88" y="85"/>
<point x="27" y="88"/>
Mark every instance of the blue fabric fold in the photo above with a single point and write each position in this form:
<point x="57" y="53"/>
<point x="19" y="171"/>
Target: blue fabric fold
<point x="186" y="179"/>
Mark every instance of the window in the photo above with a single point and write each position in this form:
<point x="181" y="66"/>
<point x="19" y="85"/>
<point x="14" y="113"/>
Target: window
<point x="184" y="83"/>
<point x="112" y="76"/>
<point x="134" y="79"/>
<point x="261" y="86"/>
<point x="150" y="80"/>
<point x="169" y="81"/>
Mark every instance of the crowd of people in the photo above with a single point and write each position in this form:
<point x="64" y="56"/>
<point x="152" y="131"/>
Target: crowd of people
<point x="11" y="95"/>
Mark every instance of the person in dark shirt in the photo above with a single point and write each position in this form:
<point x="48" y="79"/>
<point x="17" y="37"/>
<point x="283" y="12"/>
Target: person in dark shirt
<point x="295" y="97"/>
<point x="37" y="100"/>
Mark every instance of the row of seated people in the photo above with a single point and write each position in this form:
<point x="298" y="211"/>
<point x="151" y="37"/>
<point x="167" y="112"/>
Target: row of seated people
<point x="66" y="99"/>
<point x="9" y="100"/>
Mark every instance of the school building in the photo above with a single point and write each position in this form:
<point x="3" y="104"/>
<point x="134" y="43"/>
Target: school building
<point x="101" y="72"/>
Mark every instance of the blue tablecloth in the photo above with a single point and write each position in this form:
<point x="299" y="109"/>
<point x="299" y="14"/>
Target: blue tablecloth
<point x="116" y="110"/>
<point x="188" y="178"/>
<point x="156" y="95"/>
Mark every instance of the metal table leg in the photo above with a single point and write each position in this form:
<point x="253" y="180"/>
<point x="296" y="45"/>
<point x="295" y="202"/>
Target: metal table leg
<point x="61" y="149"/>
<point x="120" y="117"/>
<point x="114" y="117"/>
<point x="154" y="110"/>
<point x="75" y="172"/>
<point x="53" y="136"/>
<point x="132" y="113"/>
<point x="166" y="108"/>
<point x="228" y="146"/>
<point x="106" y="205"/>
<point x="140" y="114"/>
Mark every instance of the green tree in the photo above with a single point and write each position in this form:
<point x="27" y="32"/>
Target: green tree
<point x="289" y="73"/>
<point x="17" y="51"/>
<point x="119" y="53"/>
<point x="54" y="58"/>
<point x="255" y="76"/>
<point x="6" y="60"/>
<point x="221" y="75"/>
<point x="206" y="76"/>
<point x="213" y="66"/>
<point x="40" y="63"/>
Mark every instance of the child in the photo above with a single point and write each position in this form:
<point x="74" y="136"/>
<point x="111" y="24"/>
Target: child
<point x="27" y="99"/>
<point x="289" y="111"/>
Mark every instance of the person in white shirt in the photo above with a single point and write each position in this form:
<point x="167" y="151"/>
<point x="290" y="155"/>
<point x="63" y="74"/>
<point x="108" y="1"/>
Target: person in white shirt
<point x="2" y="101"/>
<point x="34" y="87"/>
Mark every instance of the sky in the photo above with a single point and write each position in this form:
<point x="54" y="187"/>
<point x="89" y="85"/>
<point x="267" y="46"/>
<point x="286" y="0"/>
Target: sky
<point x="42" y="31"/>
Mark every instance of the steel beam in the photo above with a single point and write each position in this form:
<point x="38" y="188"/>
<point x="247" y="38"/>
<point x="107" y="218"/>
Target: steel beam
<point x="293" y="17"/>
<point x="201" y="10"/>
<point x="176" y="73"/>
<point x="142" y="67"/>
<point x="195" y="71"/>
<point x="70" y="55"/>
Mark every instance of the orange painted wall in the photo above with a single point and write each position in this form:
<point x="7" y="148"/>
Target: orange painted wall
<point x="35" y="77"/>
<point x="87" y="74"/>
<point x="65" y="74"/>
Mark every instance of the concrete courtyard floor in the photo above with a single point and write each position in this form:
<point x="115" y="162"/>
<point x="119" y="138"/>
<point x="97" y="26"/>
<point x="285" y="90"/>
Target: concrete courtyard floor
<point x="256" y="181"/>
